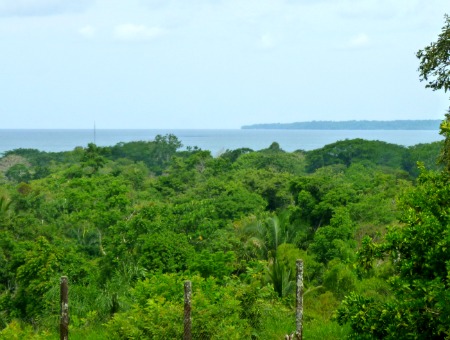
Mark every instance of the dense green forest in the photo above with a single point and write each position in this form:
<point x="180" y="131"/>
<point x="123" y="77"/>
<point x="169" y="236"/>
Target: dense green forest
<point x="129" y="223"/>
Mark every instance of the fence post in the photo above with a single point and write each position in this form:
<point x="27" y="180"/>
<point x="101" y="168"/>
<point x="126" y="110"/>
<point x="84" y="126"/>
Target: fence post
<point x="299" y="311"/>
<point x="187" y="310"/>
<point x="64" y="319"/>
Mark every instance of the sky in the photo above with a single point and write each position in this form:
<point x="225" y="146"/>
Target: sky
<point x="214" y="64"/>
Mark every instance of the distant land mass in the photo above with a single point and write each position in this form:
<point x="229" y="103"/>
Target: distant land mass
<point x="352" y="125"/>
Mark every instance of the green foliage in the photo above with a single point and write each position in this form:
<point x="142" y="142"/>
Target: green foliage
<point x="318" y="330"/>
<point x="156" y="154"/>
<point x="158" y="312"/>
<point x="281" y="278"/>
<point x="233" y="155"/>
<point x="339" y="279"/>
<point x="332" y="241"/>
<point x="318" y="195"/>
<point x="356" y="150"/>
<point x="433" y="60"/>
<point x="136" y="173"/>
<point x="38" y="274"/>
<point x="5" y="205"/>
<point x="427" y="154"/>
<point x="16" y="330"/>
<point x="129" y="223"/>
<point x="230" y="200"/>
<point x="92" y="159"/>
<point x="369" y="319"/>
<point x="274" y="159"/>
<point x="266" y="235"/>
<point x="166" y="252"/>
<point x="18" y="173"/>
<point x="271" y="185"/>
<point x="319" y="307"/>
<point x="418" y="252"/>
<point x="218" y="264"/>
<point x="434" y="69"/>
<point x="277" y="321"/>
<point x="444" y="157"/>
<point x="288" y="254"/>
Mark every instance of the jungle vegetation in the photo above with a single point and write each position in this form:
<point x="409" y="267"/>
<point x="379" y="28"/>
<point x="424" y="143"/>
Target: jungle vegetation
<point x="129" y="223"/>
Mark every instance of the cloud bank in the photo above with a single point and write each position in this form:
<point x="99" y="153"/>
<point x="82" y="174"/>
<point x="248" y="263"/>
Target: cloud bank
<point x="359" y="40"/>
<point x="133" y="32"/>
<point x="87" y="31"/>
<point x="41" y="7"/>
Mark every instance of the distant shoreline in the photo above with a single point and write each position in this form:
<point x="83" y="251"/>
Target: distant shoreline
<point x="431" y="124"/>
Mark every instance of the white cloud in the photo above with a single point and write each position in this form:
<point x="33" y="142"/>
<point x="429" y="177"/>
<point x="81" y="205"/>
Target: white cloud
<point x="359" y="40"/>
<point x="87" y="31"/>
<point x="41" y="7"/>
<point x="378" y="9"/>
<point x="266" y="41"/>
<point x="132" y="32"/>
<point x="155" y="4"/>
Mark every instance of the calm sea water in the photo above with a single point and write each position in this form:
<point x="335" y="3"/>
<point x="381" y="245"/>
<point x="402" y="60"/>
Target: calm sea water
<point x="216" y="141"/>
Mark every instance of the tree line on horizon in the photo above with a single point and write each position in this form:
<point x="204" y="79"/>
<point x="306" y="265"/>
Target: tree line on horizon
<point x="429" y="124"/>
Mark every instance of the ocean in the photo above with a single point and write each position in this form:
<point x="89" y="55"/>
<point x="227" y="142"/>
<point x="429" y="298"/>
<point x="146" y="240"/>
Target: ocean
<point x="216" y="141"/>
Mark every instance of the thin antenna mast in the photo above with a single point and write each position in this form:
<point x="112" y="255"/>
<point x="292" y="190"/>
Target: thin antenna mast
<point x="95" y="134"/>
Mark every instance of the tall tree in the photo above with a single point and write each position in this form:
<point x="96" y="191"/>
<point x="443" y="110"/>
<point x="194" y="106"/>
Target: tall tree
<point x="434" y="59"/>
<point x="435" y="70"/>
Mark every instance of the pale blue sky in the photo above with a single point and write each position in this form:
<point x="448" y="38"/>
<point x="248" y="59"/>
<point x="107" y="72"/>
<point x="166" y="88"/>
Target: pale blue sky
<point x="214" y="63"/>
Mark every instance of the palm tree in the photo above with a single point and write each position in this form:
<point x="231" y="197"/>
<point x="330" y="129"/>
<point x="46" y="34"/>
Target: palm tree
<point x="5" y="204"/>
<point x="280" y="277"/>
<point x="268" y="234"/>
<point x="264" y="236"/>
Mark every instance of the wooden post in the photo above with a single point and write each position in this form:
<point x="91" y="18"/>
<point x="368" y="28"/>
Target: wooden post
<point x="187" y="310"/>
<point x="64" y="320"/>
<point x="299" y="311"/>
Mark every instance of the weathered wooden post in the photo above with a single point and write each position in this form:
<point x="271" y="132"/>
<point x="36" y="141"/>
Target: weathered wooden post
<point x="187" y="310"/>
<point x="64" y="319"/>
<point x="299" y="311"/>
